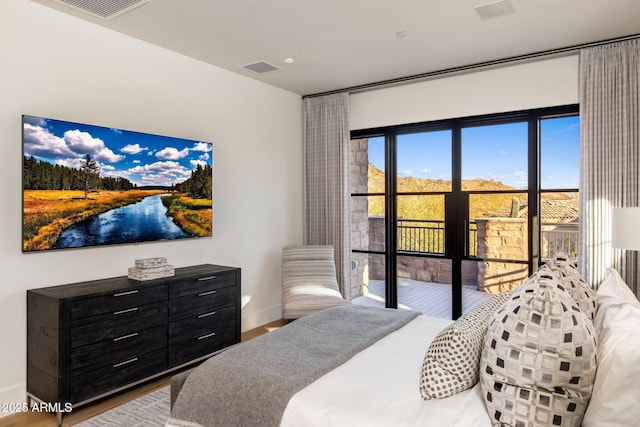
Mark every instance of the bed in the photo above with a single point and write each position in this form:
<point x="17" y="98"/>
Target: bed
<point x="321" y="371"/>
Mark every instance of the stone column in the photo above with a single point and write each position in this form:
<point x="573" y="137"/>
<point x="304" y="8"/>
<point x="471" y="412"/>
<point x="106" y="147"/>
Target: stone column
<point x="359" y="214"/>
<point x="501" y="238"/>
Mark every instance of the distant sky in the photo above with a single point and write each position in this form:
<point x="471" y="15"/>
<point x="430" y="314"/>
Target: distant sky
<point x="497" y="152"/>
<point x="144" y="159"/>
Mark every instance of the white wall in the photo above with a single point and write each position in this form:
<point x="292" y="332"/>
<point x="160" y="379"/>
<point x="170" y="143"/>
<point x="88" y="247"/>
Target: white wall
<point x="543" y="83"/>
<point x="54" y="65"/>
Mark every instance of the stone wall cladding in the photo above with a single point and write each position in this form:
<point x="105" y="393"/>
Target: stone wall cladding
<point x="501" y="238"/>
<point x="359" y="214"/>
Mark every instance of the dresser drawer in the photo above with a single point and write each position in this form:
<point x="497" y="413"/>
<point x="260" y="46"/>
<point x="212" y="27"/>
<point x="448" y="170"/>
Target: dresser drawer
<point x="196" y="326"/>
<point x="91" y="339"/>
<point x="117" y="324"/>
<point x="111" y="351"/>
<point x="200" y="284"/>
<point x="118" y="374"/>
<point x="117" y="301"/>
<point x="194" y="347"/>
<point x="201" y="302"/>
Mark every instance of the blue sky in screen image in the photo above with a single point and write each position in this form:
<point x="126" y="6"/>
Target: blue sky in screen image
<point x="144" y="159"/>
<point x="497" y="152"/>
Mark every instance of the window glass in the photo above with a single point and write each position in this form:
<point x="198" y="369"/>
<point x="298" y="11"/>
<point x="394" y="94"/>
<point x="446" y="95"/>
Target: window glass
<point x="424" y="162"/>
<point x="368" y="279"/>
<point x="367" y="165"/>
<point x="559" y="152"/>
<point x="498" y="226"/>
<point x="421" y="223"/>
<point x="493" y="201"/>
<point x="495" y="157"/>
<point x="559" y="214"/>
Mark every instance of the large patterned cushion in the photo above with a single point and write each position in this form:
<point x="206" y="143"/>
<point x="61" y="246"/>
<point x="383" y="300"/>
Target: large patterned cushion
<point x="567" y="280"/>
<point x="452" y="360"/>
<point x="572" y="282"/>
<point x="538" y="364"/>
<point x="564" y="262"/>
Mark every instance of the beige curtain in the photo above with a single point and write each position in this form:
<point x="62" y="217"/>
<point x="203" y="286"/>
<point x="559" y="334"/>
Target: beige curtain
<point x="326" y="174"/>
<point x="609" y="173"/>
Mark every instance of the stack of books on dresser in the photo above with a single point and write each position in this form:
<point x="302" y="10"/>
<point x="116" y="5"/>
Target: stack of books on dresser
<point x="151" y="268"/>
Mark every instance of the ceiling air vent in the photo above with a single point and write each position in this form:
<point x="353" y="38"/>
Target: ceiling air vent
<point x="105" y="9"/>
<point x="495" y="9"/>
<point x="261" y="67"/>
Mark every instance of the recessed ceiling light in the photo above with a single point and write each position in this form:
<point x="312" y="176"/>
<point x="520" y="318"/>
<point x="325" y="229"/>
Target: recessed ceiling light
<point x="495" y="9"/>
<point x="289" y="60"/>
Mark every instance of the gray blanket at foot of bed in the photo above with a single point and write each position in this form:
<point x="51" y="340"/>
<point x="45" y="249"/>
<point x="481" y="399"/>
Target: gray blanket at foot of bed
<point x="251" y="384"/>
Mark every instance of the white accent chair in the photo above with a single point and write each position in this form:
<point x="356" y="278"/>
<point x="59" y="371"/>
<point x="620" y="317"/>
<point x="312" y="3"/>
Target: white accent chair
<point x="309" y="281"/>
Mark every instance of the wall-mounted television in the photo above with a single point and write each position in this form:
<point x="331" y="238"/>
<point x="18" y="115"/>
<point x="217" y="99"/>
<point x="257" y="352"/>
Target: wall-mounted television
<point x="86" y="185"/>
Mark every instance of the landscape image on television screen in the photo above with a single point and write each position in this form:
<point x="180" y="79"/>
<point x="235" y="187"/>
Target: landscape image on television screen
<point x="86" y="185"/>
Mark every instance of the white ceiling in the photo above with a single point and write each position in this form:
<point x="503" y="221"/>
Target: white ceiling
<point x="338" y="44"/>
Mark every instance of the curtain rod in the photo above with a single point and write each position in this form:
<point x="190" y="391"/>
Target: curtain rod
<point x="486" y="64"/>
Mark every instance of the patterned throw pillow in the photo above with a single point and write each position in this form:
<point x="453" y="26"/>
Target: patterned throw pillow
<point x="571" y="282"/>
<point x="538" y="364"/>
<point x="452" y="360"/>
<point x="564" y="262"/>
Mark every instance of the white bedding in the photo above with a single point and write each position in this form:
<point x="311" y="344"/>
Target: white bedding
<point x="380" y="387"/>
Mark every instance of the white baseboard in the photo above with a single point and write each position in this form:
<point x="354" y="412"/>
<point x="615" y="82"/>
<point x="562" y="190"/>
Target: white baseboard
<point x="253" y="319"/>
<point x="14" y="394"/>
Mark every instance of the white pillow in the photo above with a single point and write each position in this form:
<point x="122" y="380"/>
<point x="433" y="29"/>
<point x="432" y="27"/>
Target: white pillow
<point x="614" y="401"/>
<point x="613" y="292"/>
<point x="614" y="289"/>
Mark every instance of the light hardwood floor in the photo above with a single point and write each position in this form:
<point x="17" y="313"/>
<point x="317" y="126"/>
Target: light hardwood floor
<point x="34" y="419"/>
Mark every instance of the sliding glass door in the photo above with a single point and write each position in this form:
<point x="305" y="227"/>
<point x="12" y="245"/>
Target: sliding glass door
<point x="446" y="214"/>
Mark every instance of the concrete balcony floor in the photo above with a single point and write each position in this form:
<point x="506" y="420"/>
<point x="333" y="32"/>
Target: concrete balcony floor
<point x="432" y="299"/>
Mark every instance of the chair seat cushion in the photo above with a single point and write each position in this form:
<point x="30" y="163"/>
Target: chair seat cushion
<point x="305" y="299"/>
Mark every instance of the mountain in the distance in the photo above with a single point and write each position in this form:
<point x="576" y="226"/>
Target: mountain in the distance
<point x="408" y="184"/>
<point x="431" y="207"/>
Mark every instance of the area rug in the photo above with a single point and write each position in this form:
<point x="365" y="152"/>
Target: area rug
<point x="150" y="410"/>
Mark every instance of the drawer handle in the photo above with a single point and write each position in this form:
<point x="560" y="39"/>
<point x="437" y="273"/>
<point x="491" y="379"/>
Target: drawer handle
<point x="204" y="279"/>
<point x="204" y="294"/>
<point x="128" y="310"/>
<point x="126" y="362"/>
<point x="206" y="315"/>
<point x="121" y="294"/>
<point x="124" y="337"/>
<point x="206" y="336"/>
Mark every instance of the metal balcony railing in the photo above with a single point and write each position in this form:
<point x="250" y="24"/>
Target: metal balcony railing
<point x="561" y="239"/>
<point x="428" y="236"/>
<point x="417" y="235"/>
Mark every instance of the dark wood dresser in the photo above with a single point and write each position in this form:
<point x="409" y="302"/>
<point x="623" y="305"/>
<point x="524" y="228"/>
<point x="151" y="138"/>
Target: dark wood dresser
<point x="91" y="339"/>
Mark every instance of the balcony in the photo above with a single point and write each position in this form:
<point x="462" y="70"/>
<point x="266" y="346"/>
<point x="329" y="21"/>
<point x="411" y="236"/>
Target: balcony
<point x="424" y="282"/>
<point x="431" y="299"/>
